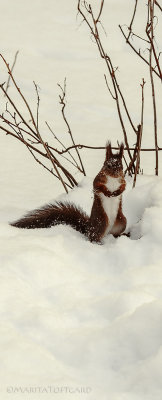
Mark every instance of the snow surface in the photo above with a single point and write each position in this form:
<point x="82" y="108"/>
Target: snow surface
<point x="75" y="316"/>
<point x="83" y="315"/>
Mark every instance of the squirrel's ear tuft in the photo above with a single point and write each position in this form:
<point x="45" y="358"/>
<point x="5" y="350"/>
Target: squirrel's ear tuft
<point x="108" y="150"/>
<point x="121" y="150"/>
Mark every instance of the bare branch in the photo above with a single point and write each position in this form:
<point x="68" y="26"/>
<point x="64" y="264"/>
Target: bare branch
<point x="12" y="68"/>
<point x="16" y="109"/>
<point x="157" y="4"/>
<point x="38" y="102"/>
<point x="59" y="141"/>
<point x="151" y="36"/>
<point x="109" y="88"/>
<point x="18" y="89"/>
<point x="100" y="12"/>
<point x="83" y="146"/>
<point x="139" y="140"/>
<point x="132" y="20"/>
<point x="138" y="52"/>
<point x="62" y="102"/>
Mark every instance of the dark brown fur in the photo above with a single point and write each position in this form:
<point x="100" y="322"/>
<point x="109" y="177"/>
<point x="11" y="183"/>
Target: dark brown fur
<point x="55" y="214"/>
<point x="95" y="226"/>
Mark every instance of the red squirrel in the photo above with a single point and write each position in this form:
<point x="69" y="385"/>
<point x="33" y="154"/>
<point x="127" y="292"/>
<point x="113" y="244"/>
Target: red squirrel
<point x="106" y="213"/>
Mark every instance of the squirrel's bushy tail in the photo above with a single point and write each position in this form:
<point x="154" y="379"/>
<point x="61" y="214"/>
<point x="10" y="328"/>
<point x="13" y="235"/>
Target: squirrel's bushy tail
<point x="55" y="214"/>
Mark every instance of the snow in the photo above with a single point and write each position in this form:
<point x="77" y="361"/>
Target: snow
<point x="78" y="314"/>
<point x="78" y="320"/>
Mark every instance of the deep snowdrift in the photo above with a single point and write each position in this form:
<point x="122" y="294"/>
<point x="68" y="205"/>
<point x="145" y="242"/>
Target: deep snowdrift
<point x="83" y="315"/>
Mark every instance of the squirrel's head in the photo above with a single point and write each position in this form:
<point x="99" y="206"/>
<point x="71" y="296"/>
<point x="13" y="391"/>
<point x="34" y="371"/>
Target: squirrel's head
<point x="113" y="162"/>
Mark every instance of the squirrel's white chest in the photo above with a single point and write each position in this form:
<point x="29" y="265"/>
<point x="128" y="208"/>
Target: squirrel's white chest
<point x="113" y="183"/>
<point x="111" y="204"/>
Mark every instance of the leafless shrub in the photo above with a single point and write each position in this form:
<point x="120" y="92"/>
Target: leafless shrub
<point x="151" y="58"/>
<point x="28" y="133"/>
<point x="51" y="158"/>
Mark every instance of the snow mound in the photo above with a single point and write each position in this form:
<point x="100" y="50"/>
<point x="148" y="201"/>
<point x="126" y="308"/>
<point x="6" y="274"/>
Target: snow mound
<point x="80" y="316"/>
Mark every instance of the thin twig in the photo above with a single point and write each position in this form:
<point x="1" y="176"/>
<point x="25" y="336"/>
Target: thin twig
<point x="138" y="52"/>
<point x="83" y="146"/>
<point x="132" y="20"/>
<point x="16" y="109"/>
<point x="12" y="68"/>
<point x="140" y="137"/>
<point x="109" y="87"/>
<point x="44" y="166"/>
<point x="59" y="141"/>
<point x="150" y="34"/>
<point x="21" y="94"/>
<point x="10" y="123"/>
<point x="45" y="155"/>
<point x="157" y="4"/>
<point x="100" y="12"/>
<point x="139" y="37"/>
<point x="38" y="102"/>
<point x="150" y="24"/>
<point x="62" y="102"/>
